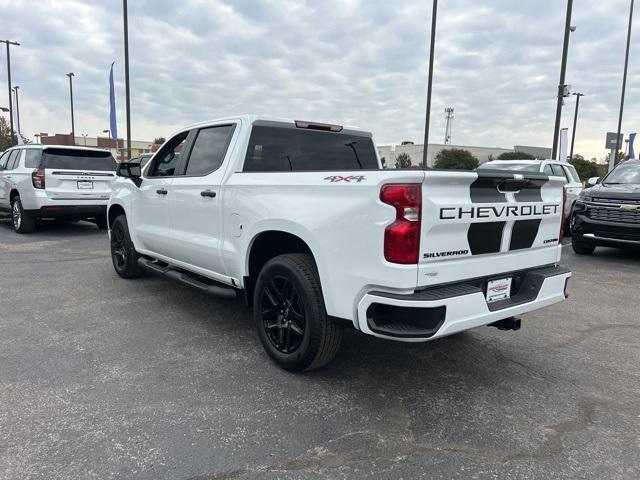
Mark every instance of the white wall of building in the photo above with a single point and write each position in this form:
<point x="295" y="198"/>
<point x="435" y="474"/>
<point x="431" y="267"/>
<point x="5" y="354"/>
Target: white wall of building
<point x="391" y="152"/>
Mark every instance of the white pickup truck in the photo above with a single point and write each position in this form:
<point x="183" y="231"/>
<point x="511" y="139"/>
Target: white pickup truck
<point x="301" y="220"/>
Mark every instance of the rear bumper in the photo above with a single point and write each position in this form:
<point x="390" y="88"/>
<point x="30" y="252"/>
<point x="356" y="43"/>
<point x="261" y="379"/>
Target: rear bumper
<point x="68" y="211"/>
<point x="441" y="311"/>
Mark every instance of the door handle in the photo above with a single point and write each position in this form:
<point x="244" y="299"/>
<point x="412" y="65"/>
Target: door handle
<point x="161" y="191"/>
<point x="208" y="193"/>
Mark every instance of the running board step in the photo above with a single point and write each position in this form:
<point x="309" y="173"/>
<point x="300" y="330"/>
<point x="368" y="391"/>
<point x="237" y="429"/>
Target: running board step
<point x="210" y="286"/>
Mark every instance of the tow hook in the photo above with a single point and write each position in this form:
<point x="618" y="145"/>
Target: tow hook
<point x="511" y="323"/>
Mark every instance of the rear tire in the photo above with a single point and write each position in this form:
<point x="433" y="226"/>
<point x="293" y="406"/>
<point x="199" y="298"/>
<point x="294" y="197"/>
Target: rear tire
<point x="290" y="314"/>
<point x="22" y="222"/>
<point x="582" y="248"/>
<point x="123" y="254"/>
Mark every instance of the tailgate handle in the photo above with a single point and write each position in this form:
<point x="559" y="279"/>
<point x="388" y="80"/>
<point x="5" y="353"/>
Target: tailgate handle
<point x="512" y="185"/>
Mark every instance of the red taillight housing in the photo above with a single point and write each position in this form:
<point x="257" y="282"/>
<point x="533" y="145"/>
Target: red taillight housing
<point x="402" y="237"/>
<point x="37" y="178"/>
<point x="562" y="219"/>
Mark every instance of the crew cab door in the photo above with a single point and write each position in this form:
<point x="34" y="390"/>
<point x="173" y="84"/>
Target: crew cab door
<point x="195" y="203"/>
<point x="151" y="207"/>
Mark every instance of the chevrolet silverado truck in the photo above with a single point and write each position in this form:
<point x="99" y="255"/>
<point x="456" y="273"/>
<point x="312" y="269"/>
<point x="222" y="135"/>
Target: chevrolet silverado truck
<point x="300" y="220"/>
<point x="608" y="213"/>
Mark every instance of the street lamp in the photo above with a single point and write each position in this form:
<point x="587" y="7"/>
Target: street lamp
<point x="15" y="90"/>
<point x="562" y="87"/>
<point x="434" y="17"/>
<point x="85" y="135"/>
<point x="73" y="127"/>
<point x="126" y="76"/>
<point x="9" y="43"/>
<point x="624" y="87"/>
<point x="575" y="122"/>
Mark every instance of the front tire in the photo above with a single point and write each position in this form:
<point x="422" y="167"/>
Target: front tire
<point x="290" y="314"/>
<point x="582" y="248"/>
<point x="22" y="222"/>
<point x="123" y="254"/>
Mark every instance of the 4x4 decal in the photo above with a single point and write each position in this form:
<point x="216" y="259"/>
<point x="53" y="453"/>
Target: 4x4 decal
<point x="348" y="179"/>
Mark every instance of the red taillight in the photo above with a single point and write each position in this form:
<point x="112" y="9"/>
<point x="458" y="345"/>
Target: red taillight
<point x="402" y="237"/>
<point x="562" y="219"/>
<point x="37" y="178"/>
<point x="325" y="127"/>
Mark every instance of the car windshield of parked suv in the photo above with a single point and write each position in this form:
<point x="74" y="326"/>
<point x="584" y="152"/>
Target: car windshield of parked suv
<point x="625" y="173"/>
<point x="71" y="159"/>
<point x="520" y="167"/>
<point x="274" y="149"/>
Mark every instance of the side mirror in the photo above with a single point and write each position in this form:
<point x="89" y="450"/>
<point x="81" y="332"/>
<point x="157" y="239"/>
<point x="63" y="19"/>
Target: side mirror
<point x="593" y="181"/>
<point x="132" y="171"/>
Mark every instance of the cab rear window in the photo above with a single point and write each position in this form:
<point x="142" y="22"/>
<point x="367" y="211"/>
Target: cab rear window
<point x="71" y="159"/>
<point x="277" y="149"/>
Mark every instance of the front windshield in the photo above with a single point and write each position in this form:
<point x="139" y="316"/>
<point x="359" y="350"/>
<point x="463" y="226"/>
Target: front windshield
<point x="520" y="167"/>
<point x="625" y="173"/>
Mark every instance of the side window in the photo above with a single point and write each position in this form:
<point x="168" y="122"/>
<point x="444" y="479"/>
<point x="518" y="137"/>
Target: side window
<point x="3" y="160"/>
<point x="32" y="157"/>
<point x="209" y="149"/>
<point x="166" y="161"/>
<point x="547" y="170"/>
<point x="558" y="171"/>
<point x="572" y="174"/>
<point x="13" y="159"/>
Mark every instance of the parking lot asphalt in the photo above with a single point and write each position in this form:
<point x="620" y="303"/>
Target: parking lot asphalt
<point x="147" y="379"/>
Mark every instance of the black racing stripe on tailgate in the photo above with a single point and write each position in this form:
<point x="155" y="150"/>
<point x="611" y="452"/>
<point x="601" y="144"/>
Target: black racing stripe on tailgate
<point x="524" y="232"/>
<point x="487" y="237"/>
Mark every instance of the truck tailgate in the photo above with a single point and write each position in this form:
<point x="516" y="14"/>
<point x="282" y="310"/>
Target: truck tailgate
<point x="479" y="224"/>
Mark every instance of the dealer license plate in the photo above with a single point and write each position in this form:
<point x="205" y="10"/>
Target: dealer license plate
<point x="85" y="185"/>
<point x="498" y="289"/>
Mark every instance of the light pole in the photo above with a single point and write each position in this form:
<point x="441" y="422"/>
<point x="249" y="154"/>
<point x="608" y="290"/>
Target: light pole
<point x="9" y="43"/>
<point x="126" y="77"/>
<point x="575" y="122"/>
<point x="434" y="17"/>
<point x="15" y="90"/>
<point x="562" y="86"/>
<point x="37" y="136"/>
<point x="85" y="135"/>
<point x="73" y="126"/>
<point x="624" y="87"/>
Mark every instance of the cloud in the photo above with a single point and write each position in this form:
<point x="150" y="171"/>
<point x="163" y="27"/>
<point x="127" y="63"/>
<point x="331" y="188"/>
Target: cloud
<point x="349" y="61"/>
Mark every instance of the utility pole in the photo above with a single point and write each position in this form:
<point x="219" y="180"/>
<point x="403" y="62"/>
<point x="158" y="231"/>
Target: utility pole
<point x="447" y="131"/>
<point x="434" y="16"/>
<point x="9" y="43"/>
<point x="624" y="87"/>
<point x="15" y="90"/>
<point x="73" y="126"/>
<point x="562" y="87"/>
<point x="575" y="122"/>
<point x="126" y="78"/>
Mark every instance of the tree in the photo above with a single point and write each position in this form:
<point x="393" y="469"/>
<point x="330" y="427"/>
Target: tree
<point x="403" y="161"/>
<point x="5" y="135"/>
<point x="516" y="156"/>
<point x="585" y="168"/>
<point x="383" y="161"/>
<point x="455" y="159"/>
<point x="159" y="140"/>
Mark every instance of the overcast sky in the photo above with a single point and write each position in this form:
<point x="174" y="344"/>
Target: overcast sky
<point x="360" y="63"/>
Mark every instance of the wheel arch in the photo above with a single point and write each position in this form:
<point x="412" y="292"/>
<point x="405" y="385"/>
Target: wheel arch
<point x="114" y="212"/>
<point x="263" y="247"/>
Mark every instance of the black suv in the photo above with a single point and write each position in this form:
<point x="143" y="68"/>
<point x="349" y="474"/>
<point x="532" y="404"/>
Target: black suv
<point x="608" y="214"/>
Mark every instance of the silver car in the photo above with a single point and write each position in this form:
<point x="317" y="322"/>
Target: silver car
<point x="548" y="167"/>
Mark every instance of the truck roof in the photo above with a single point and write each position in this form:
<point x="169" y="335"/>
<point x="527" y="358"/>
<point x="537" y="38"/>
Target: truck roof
<point x="268" y="119"/>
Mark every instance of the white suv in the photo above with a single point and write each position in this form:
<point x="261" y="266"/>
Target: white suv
<point x="42" y="181"/>
<point x="554" y="168"/>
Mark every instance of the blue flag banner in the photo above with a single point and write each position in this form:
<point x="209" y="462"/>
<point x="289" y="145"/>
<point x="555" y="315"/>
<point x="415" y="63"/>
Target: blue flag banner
<point x="632" y="137"/>
<point x="112" y="114"/>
